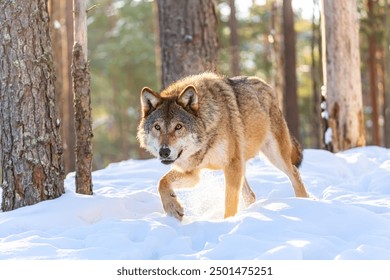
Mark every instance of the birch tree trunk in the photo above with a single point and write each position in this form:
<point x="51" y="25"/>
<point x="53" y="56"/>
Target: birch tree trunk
<point x="188" y="38"/>
<point x="31" y="162"/>
<point x="342" y="80"/>
<point x="82" y="100"/>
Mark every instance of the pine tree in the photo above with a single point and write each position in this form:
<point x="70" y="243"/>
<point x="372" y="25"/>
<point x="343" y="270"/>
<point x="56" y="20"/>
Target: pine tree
<point x="341" y="62"/>
<point x="290" y="105"/>
<point x="82" y="100"/>
<point x="32" y="161"/>
<point x="188" y="38"/>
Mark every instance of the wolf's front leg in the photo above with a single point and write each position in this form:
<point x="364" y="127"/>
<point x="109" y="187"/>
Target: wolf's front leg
<point x="174" y="180"/>
<point x="234" y="179"/>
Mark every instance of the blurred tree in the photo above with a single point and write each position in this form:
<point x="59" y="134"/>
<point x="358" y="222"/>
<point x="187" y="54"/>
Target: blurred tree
<point x="373" y="27"/>
<point x="256" y="47"/>
<point x="342" y="79"/>
<point x="305" y="83"/>
<point x="156" y="32"/>
<point x="276" y="39"/>
<point x="188" y="38"/>
<point x="290" y="90"/>
<point x="386" y="107"/>
<point x="32" y="162"/>
<point x="234" y="40"/>
<point x="372" y="61"/>
<point x="316" y="77"/>
<point x="61" y="30"/>
<point x="122" y="53"/>
<point x="69" y="129"/>
<point x="261" y="52"/>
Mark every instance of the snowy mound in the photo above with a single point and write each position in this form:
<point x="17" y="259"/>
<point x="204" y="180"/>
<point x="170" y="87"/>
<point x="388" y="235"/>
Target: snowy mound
<point x="348" y="216"/>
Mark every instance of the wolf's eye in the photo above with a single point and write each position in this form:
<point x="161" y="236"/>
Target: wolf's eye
<point x="178" y="127"/>
<point x="157" y="127"/>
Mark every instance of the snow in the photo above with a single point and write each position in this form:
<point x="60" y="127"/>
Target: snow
<point x="324" y="114"/>
<point x="347" y="217"/>
<point x="328" y="134"/>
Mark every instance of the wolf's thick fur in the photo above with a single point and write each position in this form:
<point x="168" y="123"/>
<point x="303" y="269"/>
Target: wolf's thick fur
<point x="210" y="121"/>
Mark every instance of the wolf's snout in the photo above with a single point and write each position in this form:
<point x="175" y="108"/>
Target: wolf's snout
<point x="164" y="152"/>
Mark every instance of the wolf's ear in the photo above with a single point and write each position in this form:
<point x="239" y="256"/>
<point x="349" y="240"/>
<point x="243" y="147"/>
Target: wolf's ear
<point x="149" y="100"/>
<point x="188" y="98"/>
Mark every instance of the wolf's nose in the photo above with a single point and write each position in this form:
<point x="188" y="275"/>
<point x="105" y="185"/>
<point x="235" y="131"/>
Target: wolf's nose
<point x="164" y="152"/>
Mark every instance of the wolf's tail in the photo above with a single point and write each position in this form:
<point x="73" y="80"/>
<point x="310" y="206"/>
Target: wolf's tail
<point x="296" y="153"/>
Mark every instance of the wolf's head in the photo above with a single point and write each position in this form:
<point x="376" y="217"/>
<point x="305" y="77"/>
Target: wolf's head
<point x="168" y="125"/>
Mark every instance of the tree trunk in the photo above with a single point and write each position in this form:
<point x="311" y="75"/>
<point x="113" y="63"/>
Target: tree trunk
<point x="316" y="73"/>
<point x="234" y="40"/>
<point x="372" y="49"/>
<point x="32" y="163"/>
<point x="188" y="38"/>
<point x="55" y="7"/>
<point x="82" y="100"/>
<point x="277" y="51"/>
<point x="342" y="80"/>
<point x="157" y="49"/>
<point x="386" y="106"/>
<point x="68" y="125"/>
<point x="61" y="15"/>
<point x="290" y="90"/>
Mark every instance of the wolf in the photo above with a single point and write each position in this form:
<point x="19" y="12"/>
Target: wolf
<point x="215" y="122"/>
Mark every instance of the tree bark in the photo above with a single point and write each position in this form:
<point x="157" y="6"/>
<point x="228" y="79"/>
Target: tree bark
<point x="55" y="7"/>
<point x="61" y="15"/>
<point x="82" y="101"/>
<point x="342" y="79"/>
<point x="157" y="49"/>
<point x="372" y="50"/>
<point x="32" y="163"/>
<point x="188" y="38"/>
<point x="277" y="50"/>
<point x="234" y="40"/>
<point x="386" y="107"/>
<point x="67" y="94"/>
<point x="290" y="90"/>
<point x="316" y="74"/>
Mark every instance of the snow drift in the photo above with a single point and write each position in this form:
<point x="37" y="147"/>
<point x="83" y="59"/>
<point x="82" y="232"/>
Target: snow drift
<point x="348" y="216"/>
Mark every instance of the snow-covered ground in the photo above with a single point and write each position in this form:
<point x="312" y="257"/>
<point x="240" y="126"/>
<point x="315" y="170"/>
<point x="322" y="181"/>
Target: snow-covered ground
<point x="347" y="218"/>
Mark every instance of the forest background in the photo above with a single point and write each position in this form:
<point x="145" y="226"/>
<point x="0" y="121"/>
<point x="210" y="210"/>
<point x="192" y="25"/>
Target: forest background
<point x="123" y="52"/>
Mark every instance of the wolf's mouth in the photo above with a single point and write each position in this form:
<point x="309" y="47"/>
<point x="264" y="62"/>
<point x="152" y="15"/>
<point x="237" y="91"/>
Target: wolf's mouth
<point x="170" y="161"/>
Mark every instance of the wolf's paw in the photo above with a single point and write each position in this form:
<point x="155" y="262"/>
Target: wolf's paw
<point x="173" y="207"/>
